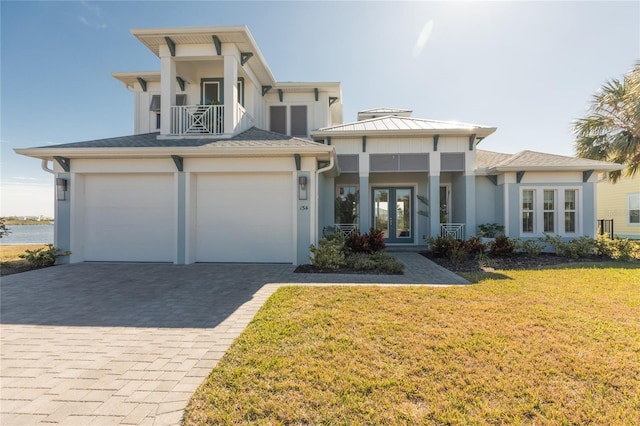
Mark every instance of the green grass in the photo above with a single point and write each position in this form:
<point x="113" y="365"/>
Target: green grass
<point x="9" y="260"/>
<point x="533" y="347"/>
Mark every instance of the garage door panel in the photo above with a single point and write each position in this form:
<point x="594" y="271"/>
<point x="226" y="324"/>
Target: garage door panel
<point x="129" y="218"/>
<point x="244" y="218"/>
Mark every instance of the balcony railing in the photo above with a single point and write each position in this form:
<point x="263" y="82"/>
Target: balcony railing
<point x="197" y="120"/>
<point x="345" y="229"/>
<point x="455" y="230"/>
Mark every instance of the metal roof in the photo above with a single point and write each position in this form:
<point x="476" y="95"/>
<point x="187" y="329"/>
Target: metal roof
<point x="403" y="125"/>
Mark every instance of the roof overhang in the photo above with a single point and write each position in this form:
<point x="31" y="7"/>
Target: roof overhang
<point x="577" y="168"/>
<point x="323" y="152"/>
<point x="480" y="132"/>
<point x="153" y="38"/>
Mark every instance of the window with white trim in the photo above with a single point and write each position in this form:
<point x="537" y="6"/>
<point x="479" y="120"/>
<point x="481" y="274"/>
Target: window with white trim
<point x="570" y="198"/>
<point x="528" y="196"/>
<point x="550" y="210"/>
<point x="633" y="208"/>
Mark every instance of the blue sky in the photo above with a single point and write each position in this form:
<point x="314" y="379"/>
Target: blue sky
<point x="528" y="68"/>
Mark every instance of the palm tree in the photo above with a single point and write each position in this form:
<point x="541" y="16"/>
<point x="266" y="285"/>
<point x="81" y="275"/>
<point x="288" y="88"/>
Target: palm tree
<point x="611" y="129"/>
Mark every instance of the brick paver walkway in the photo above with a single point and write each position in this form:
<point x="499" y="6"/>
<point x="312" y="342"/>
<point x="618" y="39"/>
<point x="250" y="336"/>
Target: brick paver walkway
<point x="100" y="344"/>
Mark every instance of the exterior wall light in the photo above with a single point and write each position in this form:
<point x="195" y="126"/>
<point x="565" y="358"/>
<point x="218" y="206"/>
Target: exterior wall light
<point x="61" y="189"/>
<point x="302" y="187"/>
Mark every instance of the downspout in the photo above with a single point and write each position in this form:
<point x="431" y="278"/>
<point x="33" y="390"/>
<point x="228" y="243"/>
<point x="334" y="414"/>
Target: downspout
<point x="45" y="168"/>
<point x="317" y="197"/>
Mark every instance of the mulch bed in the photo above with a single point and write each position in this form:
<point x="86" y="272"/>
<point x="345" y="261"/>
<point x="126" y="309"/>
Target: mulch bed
<point x="516" y="261"/>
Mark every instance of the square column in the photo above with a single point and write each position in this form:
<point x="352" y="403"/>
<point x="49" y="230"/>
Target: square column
<point x="364" y="221"/>
<point x="470" y="205"/>
<point x="230" y="93"/>
<point x="167" y="93"/>
<point x="434" y="206"/>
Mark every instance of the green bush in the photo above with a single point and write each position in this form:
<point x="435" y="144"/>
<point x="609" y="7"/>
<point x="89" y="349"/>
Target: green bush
<point x="490" y="230"/>
<point x="531" y="247"/>
<point x="328" y="255"/>
<point x="362" y="261"/>
<point x="41" y="257"/>
<point x="618" y="248"/>
<point x="572" y="249"/>
<point x="379" y="262"/>
<point x="365" y="243"/>
<point x="388" y="263"/>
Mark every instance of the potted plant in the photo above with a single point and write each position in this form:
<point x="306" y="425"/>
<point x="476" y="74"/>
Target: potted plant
<point x="489" y="231"/>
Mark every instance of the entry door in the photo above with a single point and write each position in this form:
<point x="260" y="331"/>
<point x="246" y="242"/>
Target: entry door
<point x="393" y="213"/>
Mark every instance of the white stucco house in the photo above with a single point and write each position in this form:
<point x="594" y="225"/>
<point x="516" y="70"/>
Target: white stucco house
<point x="229" y="165"/>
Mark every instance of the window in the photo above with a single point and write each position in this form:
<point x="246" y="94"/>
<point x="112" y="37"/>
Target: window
<point x="527" y="210"/>
<point x="278" y="119"/>
<point x="211" y="91"/>
<point x="241" y="90"/>
<point x="546" y="210"/>
<point x="633" y="208"/>
<point x="299" y="120"/>
<point x="155" y="103"/>
<point x="181" y="100"/>
<point x="347" y="204"/>
<point x="570" y="210"/>
<point x="549" y="209"/>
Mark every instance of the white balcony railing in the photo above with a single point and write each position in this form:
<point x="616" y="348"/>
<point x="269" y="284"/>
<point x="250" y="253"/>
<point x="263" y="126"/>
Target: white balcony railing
<point x="455" y="230"/>
<point x="197" y="120"/>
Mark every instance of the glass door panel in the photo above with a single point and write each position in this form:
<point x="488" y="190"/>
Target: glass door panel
<point x="403" y="213"/>
<point x="393" y="214"/>
<point x="381" y="211"/>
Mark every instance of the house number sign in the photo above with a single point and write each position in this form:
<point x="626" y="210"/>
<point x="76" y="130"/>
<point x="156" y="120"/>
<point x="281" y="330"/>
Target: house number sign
<point x="303" y="208"/>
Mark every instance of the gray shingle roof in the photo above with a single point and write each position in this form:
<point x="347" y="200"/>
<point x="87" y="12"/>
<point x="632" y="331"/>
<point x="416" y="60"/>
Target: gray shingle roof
<point x="253" y="137"/>
<point x="531" y="159"/>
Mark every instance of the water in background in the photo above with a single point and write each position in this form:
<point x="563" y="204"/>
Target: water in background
<point x="28" y="234"/>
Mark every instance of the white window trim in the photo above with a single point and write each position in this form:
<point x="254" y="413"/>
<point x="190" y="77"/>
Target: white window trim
<point x="538" y="210"/>
<point x="632" y="194"/>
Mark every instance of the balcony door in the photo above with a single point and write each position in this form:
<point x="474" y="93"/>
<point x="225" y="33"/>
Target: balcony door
<point x="211" y="91"/>
<point x="393" y="213"/>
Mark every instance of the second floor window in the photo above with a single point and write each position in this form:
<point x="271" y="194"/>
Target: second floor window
<point x="633" y="208"/>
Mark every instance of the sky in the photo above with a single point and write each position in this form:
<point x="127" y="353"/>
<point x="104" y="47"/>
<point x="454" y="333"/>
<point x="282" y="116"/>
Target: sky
<point x="527" y="68"/>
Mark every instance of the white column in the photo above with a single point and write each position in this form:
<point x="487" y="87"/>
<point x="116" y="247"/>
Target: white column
<point x="230" y="93"/>
<point x="167" y="92"/>
<point x="434" y="194"/>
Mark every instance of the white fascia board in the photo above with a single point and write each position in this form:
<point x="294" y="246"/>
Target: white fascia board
<point x="599" y="167"/>
<point x="479" y="132"/>
<point x="160" y="152"/>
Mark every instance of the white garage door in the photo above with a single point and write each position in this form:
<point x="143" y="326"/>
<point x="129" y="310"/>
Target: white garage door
<point x="244" y="218"/>
<point x="129" y="218"/>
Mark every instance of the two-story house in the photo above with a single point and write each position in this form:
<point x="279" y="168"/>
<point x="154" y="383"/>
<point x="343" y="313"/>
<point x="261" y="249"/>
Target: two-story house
<point x="229" y="165"/>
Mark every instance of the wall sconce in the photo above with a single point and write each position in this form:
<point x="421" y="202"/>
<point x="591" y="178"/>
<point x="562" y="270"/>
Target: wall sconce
<point x="61" y="189"/>
<point x="302" y="187"/>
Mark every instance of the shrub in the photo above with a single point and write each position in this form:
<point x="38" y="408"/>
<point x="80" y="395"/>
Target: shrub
<point x="365" y="243"/>
<point x="330" y="252"/>
<point x="473" y="246"/>
<point x="618" y="248"/>
<point x="388" y="263"/>
<point x="572" y="249"/>
<point x="3" y="228"/>
<point x="441" y="246"/>
<point x="502" y="246"/>
<point x="531" y="247"/>
<point x="490" y="230"/>
<point x="379" y="261"/>
<point x="362" y="261"/>
<point x="42" y="257"/>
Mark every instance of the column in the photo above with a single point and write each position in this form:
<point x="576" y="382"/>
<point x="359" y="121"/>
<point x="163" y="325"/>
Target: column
<point x="434" y="205"/>
<point x="230" y="93"/>
<point x="167" y="93"/>
<point x="470" y="205"/>
<point x="181" y="218"/>
<point x="364" y="220"/>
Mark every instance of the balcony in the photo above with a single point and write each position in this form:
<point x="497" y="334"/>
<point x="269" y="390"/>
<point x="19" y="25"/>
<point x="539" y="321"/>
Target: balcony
<point x="207" y="120"/>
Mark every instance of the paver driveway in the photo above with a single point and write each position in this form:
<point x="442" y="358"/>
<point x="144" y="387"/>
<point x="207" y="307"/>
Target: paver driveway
<point x="107" y="344"/>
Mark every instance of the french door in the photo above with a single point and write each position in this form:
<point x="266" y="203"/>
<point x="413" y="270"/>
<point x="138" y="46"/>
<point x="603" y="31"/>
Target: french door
<point x="393" y="213"/>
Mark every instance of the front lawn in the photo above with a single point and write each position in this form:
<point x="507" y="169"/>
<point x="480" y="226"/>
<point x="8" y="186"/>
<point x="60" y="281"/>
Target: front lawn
<point x="10" y="262"/>
<point x="558" y="346"/>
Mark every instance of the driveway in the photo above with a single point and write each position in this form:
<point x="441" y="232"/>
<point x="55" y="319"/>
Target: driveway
<point x="100" y="344"/>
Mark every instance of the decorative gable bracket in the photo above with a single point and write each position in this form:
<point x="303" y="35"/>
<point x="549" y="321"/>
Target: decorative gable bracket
<point x="265" y="89"/>
<point x="143" y="83"/>
<point x="217" y="44"/>
<point x="435" y="142"/>
<point x="64" y="162"/>
<point x="586" y="175"/>
<point x="171" y="45"/>
<point x="181" y="82"/>
<point x="179" y="161"/>
<point x="519" y="176"/>
<point x="332" y="100"/>
<point x="493" y="179"/>
<point x="472" y="139"/>
<point x="244" y="57"/>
